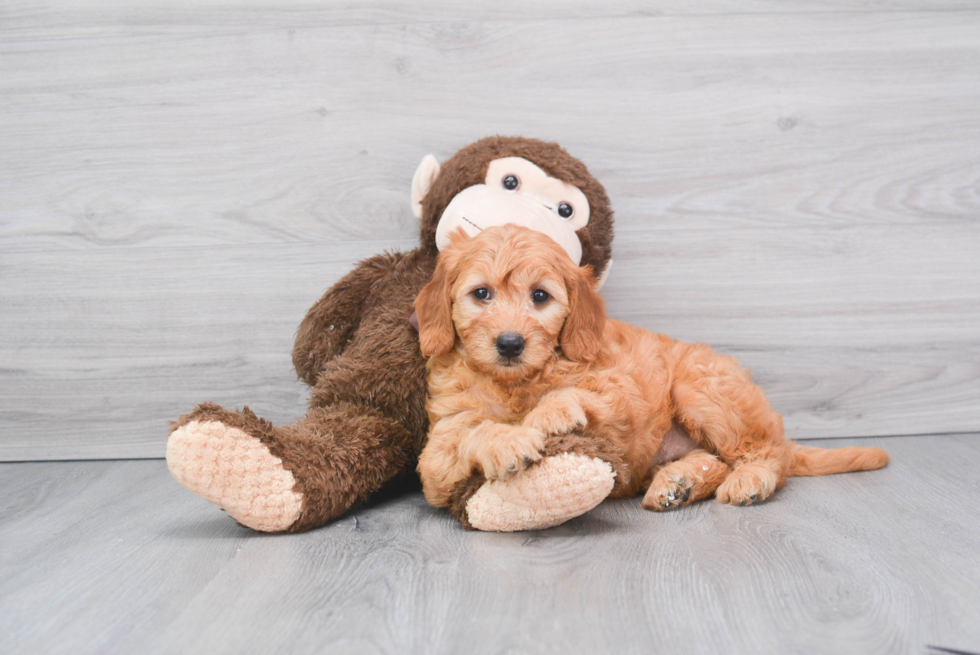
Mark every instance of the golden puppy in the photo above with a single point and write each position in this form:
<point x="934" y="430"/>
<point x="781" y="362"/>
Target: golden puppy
<point x="519" y="347"/>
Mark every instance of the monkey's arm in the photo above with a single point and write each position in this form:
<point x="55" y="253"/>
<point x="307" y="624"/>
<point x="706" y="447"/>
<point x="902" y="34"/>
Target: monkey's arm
<point x="334" y="319"/>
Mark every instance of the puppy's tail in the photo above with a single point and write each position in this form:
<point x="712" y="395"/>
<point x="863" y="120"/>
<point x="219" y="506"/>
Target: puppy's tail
<point x="808" y="460"/>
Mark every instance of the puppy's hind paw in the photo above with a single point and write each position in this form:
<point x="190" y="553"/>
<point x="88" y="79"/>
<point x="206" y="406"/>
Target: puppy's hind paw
<point x="691" y="478"/>
<point x="747" y="484"/>
<point x="669" y="490"/>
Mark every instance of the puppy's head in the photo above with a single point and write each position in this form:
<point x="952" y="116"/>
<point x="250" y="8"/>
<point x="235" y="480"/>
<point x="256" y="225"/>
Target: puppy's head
<point x="509" y="297"/>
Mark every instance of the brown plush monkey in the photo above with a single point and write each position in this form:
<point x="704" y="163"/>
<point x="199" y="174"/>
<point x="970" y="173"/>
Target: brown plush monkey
<point x="360" y="354"/>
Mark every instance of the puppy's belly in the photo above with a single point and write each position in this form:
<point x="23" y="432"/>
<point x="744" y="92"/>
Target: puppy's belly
<point x="501" y="413"/>
<point x="675" y="444"/>
<point x="648" y="452"/>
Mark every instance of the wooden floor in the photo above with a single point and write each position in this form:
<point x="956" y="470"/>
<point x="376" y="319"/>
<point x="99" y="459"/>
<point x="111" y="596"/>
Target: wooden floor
<point x="113" y="556"/>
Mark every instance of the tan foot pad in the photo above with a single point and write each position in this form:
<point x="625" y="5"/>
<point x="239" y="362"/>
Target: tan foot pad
<point x="555" y="490"/>
<point x="234" y="470"/>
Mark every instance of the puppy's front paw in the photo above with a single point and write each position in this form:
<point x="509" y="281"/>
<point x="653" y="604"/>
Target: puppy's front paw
<point x="509" y="450"/>
<point x="559" y="416"/>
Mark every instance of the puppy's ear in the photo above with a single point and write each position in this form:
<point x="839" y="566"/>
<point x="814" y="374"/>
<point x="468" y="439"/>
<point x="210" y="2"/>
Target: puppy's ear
<point x="581" y="336"/>
<point x="458" y="238"/>
<point x="433" y="306"/>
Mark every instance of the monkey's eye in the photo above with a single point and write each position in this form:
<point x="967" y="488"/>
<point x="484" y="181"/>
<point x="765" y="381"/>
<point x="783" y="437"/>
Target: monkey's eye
<point x="511" y="182"/>
<point x="539" y="296"/>
<point x="565" y="210"/>
<point x="481" y="294"/>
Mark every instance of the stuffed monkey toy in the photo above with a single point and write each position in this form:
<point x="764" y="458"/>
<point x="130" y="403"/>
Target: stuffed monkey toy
<point x="358" y="350"/>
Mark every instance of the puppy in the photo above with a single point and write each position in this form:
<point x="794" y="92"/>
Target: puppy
<point x="519" y="347"/>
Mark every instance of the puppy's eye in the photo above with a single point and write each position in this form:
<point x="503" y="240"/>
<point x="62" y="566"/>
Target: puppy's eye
<point x="481" y="294"/>
<point x="511" y="182"/>
<point x="540" y="296"/>
<point x="565" y="210"/>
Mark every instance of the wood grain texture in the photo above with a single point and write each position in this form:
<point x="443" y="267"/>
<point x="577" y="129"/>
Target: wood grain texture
<point x="131" y="131"/>
<point x="796" y="183"/>
<point x="142" y="335"/>
<point x="116" y="557"/>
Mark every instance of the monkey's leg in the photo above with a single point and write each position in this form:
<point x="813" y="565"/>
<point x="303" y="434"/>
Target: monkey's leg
<point x="576" y="473"/>
<point x="289" y="478"/>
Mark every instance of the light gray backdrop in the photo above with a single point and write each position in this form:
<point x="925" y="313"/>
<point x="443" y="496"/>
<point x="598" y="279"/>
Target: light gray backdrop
<point x="798" y="185"/>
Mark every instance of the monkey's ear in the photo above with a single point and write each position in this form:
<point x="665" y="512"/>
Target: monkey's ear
<point x="434" y="307"/>
<point x="581" y="336"/>
<point x="422" y="181"/>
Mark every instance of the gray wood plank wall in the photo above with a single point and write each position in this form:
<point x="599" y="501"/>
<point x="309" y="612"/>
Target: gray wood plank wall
<point x="796" y="183"/>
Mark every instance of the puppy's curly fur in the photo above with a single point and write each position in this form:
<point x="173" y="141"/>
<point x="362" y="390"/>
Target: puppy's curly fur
<point x="520" y="348"/>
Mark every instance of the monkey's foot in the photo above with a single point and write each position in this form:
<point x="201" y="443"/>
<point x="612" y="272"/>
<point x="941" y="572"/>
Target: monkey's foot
<point x="236" y="471"/>
<point x="556" y="489"/>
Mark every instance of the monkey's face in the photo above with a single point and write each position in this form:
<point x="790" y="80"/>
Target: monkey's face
<point x="534" y="184"/>
<point x="518" y="192"/>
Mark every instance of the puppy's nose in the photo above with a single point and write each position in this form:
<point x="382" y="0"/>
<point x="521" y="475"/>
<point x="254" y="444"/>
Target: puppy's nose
<point x="510" y="344"/>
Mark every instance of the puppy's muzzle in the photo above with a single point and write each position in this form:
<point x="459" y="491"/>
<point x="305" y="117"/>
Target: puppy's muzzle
<point x="510" y="345"/>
